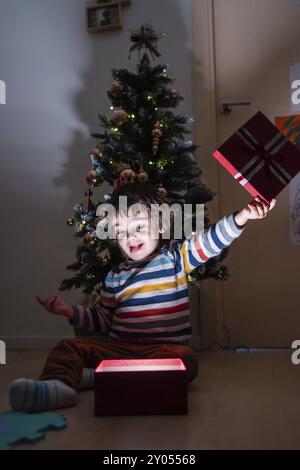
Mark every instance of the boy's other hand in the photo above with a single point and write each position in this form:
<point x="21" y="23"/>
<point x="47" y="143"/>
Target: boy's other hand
<point x="256" y="209"/>
<point x="56" y="305"/>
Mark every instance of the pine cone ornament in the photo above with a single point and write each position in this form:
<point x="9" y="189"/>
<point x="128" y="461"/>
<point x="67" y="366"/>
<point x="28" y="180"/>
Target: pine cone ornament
<point x="87" y="199"/>
<point x="157" y="135"/>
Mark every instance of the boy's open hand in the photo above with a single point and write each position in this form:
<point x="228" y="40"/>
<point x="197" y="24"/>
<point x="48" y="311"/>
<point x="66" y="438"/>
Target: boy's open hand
<point x="56" y="305"/>
<point x="256" y="209"/>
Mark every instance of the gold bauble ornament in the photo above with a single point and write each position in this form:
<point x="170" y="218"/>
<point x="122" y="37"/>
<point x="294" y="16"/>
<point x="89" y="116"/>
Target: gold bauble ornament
<point x="127" y="175"/>
<point x="89" y="239"/>
<point x="119" y="116"/>
<point x="96" y="151"/>
<point x="142" y="176"/>
<point x="105" y="256"/>
<point x="116" y="87"/>
<point x="175" y="92"/>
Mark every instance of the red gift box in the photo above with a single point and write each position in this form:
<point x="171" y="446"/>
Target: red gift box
<point x="140" y="387"/>
<point x="260" y="157"/>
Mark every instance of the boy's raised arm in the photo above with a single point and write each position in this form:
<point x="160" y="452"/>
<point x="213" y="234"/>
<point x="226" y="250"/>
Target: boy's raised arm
<point x="203" y="245"/>
<point x="209" y="243"/>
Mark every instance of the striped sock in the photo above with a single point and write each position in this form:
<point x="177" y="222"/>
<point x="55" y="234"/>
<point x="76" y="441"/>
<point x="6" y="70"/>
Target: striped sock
<point x="39" y="395"/>
<point x="87" y="379"/>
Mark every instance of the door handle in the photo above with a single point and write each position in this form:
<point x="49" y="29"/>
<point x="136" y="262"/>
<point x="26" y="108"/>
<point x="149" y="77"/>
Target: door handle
<point x="226" y="107"/>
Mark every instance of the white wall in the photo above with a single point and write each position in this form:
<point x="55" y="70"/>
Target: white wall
<point x="57" y="75"/>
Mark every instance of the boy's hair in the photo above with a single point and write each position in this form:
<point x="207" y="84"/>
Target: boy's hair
<point x="143" y="193"/>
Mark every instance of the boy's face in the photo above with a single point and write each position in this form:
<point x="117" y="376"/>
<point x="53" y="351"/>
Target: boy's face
<point x="133" y="233"/>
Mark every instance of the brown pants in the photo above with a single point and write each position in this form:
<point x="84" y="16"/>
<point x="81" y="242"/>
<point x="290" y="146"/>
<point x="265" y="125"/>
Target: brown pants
<point x="66" y="360"/>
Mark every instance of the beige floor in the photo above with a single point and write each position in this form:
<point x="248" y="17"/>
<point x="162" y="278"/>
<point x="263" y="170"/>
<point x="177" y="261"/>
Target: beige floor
<point x="239" y="401"/>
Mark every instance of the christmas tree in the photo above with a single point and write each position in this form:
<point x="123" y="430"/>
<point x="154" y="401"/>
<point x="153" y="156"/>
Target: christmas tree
<point x="143" y="140"/>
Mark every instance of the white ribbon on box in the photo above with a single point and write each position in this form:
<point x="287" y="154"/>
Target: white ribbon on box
<point x="263" y="155"/>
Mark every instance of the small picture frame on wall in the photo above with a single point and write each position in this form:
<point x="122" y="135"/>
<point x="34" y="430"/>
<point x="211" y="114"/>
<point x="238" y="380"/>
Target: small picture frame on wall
<point x="104" y="16"/>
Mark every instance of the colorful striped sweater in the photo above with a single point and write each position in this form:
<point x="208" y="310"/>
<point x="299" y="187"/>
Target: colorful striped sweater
<point x="149" y="298"/>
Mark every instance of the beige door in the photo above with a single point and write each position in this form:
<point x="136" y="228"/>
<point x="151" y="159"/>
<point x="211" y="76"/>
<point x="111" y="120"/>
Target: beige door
<point x="242" y="52"/>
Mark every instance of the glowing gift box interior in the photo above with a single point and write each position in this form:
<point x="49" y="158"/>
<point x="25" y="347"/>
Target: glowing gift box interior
<point x="140" y="387"/>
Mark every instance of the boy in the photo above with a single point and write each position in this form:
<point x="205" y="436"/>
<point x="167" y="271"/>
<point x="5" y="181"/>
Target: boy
<point x="143" y="308"/>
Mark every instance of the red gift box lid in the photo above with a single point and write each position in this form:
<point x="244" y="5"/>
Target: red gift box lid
<point x="260" y="157"/>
